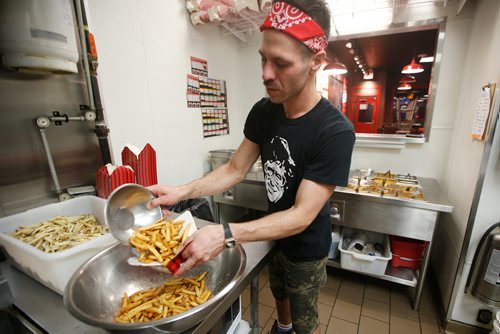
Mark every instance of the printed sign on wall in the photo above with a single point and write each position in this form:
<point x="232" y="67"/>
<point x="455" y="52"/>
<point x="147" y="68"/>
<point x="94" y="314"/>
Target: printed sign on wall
<point x="193" y="91"/>
<point x="199" y="66"/>
<point x="210" y="95"/>
<point x="215" y="122"/>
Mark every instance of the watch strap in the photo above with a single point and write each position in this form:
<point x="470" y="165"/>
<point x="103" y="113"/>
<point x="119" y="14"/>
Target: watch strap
<point x="228" y="236"/>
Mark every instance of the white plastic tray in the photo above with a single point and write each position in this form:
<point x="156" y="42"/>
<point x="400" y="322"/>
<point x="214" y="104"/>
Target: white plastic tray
<point x="374" y="265"/>
<point x="53" y="269"/>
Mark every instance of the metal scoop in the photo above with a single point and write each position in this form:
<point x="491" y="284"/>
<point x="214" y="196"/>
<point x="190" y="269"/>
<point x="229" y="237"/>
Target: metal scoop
<point x="126" y="210"/>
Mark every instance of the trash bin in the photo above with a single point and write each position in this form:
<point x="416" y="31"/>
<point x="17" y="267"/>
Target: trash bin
<point x="199" y="208"/>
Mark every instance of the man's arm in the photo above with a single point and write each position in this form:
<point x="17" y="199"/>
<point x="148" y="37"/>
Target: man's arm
<point x="208" y="242"/>
<point x="214" y="182"/>
<point x="311" y="197"/>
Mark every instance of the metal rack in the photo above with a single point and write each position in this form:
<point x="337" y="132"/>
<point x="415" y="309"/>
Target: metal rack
<point x="245" y="26"/>
<point x="249" y="23"/>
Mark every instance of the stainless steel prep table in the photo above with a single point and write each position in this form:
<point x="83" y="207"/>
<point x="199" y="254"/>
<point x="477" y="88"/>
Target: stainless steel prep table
<point x="45" y="307"/>
<point x="395" y="216"/>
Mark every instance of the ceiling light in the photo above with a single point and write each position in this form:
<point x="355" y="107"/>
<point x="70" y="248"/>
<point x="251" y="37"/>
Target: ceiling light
<point x="348" y="45"/>
<point x="427" y="59"/>
<point x="360" y="65"/>
<point x="412" y="68"/>
<point x="407" y="78"/>
<point x="335" y="68"/>
<point x="404" y="86"/>
<point x="368" y="75"/>
<point x="356" y="58"/>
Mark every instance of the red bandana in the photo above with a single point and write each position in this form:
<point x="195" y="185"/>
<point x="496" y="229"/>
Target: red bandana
<point x="294" y="22"/>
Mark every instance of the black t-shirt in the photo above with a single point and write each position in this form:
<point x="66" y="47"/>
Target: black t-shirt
<point x="316" y="146"/>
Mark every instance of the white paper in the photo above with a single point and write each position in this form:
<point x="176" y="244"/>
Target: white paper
<point x="188" y="220"/>
<point x="481" y="114"/>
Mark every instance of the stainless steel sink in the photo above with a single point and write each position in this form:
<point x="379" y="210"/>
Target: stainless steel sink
<point x="94" y="293"/>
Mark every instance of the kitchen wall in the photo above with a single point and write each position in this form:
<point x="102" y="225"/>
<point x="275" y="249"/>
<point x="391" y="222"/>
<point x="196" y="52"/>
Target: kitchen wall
<point x="462" y="171"/>
<point x="144" y="54"/>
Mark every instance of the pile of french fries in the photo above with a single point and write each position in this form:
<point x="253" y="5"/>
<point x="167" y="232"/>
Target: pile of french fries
<point x="60" y="233"/>
<point x="171" y="298"/>
<point x="160" y="241"/>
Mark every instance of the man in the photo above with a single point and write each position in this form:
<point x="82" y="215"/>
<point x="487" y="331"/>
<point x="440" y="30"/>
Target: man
<point x="305" y="145"/>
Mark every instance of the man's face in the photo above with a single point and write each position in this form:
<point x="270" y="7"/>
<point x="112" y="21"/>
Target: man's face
<point x="285" y="66"/>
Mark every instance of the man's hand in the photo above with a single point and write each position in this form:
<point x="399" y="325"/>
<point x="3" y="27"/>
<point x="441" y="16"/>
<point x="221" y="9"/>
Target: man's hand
<point x="166" y="195"/>
<point x="204" y="245"/>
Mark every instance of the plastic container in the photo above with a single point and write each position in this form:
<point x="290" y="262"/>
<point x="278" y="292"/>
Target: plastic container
<point x="53" y="269"/>
<point x="373" y="265"/>
<point x="407" y="252"/>
<point x="334" y="247"/>
<point x="398" y="261"/>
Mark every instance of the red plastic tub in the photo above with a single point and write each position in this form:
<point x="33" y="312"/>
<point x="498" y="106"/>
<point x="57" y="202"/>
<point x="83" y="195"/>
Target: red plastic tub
<point x="406" y="252"/>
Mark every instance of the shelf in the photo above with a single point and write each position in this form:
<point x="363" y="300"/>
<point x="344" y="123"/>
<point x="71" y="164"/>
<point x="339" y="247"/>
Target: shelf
<point x="402" y="276"/>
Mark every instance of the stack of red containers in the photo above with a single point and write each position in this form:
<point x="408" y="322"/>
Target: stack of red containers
<point x="407" y="252"/>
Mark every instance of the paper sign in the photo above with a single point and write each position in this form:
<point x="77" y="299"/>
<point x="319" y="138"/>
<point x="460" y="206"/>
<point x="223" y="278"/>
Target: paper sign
<point x="199" y="66"/>
<point x="481" y="114"/>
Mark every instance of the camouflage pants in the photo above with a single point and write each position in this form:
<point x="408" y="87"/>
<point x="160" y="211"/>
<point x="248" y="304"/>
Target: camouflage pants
<point x="300" y="282"/>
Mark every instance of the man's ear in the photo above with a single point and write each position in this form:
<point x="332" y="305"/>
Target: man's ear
<point x="317" y="60"/>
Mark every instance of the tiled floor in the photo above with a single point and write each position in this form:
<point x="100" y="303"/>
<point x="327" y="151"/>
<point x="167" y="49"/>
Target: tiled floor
<point x="357" y="304"/>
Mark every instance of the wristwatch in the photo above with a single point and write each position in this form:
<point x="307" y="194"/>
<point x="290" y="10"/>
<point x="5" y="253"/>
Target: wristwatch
<point x="228" y="236"/>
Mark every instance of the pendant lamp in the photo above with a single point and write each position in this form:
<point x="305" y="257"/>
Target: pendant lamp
<point x="407" y="79"/>
<point x="412" y="68"/>
<point x="335" y="68"/>
<point x="404" y="86"/>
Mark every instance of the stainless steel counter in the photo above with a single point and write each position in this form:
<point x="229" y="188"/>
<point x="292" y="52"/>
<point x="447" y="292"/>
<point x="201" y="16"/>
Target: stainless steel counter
<point x="416" y="219"/>
<point x="45" y="308"/>
<point x="435" y="199"/>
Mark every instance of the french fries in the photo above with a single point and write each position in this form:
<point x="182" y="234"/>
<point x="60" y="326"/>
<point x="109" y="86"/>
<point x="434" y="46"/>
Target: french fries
<point x="160" y="241"/>
<point x="171" y="298"/>
<point x="60" y="232"/>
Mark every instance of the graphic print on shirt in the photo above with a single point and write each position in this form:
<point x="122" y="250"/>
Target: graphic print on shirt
<point x="278" y="170"/>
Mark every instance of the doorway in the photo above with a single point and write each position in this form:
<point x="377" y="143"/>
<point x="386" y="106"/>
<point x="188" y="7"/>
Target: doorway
<point x="365" y="112"/>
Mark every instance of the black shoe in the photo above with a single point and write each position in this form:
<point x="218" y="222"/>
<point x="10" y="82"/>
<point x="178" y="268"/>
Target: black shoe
<point x="275" y="330"/>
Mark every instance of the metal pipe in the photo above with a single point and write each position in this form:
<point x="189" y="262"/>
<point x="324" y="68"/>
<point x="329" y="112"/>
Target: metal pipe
<point x="254" y="305"/>
<point x="83" y="45"/>
<point x="101" y="129"/>
<point x="64" y="119"/>
<point x="50" y="161"/>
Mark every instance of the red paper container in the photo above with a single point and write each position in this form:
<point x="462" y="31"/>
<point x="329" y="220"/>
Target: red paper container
<point x="144" y="164"/>
<point x="106" y="182"/>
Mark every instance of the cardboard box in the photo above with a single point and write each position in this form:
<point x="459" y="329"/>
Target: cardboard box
<point x="53" y="269"/>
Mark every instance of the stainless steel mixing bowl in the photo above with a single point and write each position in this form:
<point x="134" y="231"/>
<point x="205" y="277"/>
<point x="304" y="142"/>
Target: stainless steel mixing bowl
<point x="126" y="209"/>
<point x="93" y="294"/>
